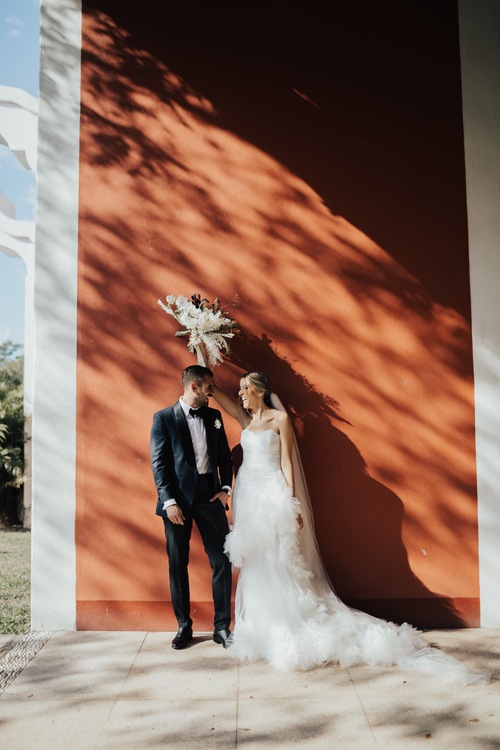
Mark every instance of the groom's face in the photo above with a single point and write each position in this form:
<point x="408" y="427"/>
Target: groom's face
<point x="203" y="392"/>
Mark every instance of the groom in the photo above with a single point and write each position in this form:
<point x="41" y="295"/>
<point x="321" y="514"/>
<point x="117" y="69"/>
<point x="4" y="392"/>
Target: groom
<point x="193" y="471"/>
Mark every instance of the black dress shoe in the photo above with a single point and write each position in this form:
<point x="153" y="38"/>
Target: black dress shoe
<point x="183" y="637"/>
<point x="223" y="636"/>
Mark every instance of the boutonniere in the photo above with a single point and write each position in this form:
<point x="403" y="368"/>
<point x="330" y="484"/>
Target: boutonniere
<point x="217" y="424"/>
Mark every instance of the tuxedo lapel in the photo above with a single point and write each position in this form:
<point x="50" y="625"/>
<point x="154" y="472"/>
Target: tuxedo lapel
<point x="184" y="433"/>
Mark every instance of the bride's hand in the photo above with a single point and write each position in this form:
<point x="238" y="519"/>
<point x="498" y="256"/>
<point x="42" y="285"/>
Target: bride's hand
<point x="299" y="521"/>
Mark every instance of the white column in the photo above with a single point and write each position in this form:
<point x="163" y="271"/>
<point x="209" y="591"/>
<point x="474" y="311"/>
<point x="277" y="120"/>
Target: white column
<point x="54" y="408"/>
<point x="480" y="58"/>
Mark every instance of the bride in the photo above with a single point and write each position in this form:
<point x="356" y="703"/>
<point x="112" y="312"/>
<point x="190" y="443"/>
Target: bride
<point x="287" y="612"/>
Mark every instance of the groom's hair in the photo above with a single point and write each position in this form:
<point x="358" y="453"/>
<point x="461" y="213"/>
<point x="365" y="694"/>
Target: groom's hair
<point x="196" y="374"/>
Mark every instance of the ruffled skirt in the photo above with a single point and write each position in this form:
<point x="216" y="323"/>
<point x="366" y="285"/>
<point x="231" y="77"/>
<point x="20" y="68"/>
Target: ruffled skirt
<point x="280" y="617"/>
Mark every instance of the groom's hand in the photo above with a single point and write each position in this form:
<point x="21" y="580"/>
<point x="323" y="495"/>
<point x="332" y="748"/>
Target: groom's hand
<point x="222" y="496"/>
<point x="175" y="514"/>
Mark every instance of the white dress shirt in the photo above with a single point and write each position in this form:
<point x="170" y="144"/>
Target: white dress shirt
<point x="199" y="439"/>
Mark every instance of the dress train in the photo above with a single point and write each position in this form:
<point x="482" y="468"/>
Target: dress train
<point x="287" y="612"/>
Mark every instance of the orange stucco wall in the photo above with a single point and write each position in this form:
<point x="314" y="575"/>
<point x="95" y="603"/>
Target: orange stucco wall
<point x="307" y="168"/>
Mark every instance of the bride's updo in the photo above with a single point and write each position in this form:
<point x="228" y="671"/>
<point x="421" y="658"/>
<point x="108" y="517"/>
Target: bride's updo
<point x="262" y="383"/>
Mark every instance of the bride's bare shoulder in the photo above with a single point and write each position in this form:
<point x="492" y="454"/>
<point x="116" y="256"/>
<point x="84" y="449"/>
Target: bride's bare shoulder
<point x="280" y="420"/>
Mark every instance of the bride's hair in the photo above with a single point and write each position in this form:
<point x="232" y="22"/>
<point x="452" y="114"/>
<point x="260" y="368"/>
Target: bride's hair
<point x="262" y="383"/>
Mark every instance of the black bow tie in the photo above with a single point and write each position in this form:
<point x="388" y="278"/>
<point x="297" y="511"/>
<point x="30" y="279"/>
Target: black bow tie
<point x="193" y="413"/>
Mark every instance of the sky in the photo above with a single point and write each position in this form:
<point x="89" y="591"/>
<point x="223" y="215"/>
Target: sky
<point x="19" y="65"/>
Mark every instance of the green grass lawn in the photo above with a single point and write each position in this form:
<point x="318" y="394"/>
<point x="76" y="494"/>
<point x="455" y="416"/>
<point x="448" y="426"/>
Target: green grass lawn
<point x="15" y="580"/>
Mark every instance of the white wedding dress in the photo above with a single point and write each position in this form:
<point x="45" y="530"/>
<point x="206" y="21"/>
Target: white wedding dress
<point x="287" y="612"/>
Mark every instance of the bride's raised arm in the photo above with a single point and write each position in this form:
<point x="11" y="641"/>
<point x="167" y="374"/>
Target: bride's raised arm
<point x="228" y="403"/>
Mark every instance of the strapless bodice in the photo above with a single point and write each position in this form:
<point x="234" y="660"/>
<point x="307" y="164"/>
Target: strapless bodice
<point x="261" y="450"/>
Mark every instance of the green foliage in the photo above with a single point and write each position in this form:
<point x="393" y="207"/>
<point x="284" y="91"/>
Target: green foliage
<point x="11" y="362"/>
<point x="15" y="585"/>
<point x="11" y="429"/>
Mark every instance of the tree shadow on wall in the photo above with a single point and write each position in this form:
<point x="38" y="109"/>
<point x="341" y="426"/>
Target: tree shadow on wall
<point x="187" y="64"/>
<point x="360" y="553"/>
<point x="362" y="101"/>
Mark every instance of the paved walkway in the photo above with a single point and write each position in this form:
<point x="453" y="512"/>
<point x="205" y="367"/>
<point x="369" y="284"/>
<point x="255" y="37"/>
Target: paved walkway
<point x="131" y="691"/>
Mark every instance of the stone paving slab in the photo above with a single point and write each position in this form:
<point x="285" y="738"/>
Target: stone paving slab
<point x="132" y="691"/>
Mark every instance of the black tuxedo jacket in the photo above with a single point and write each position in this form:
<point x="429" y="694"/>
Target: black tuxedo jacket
<point x="172" y="455"/>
